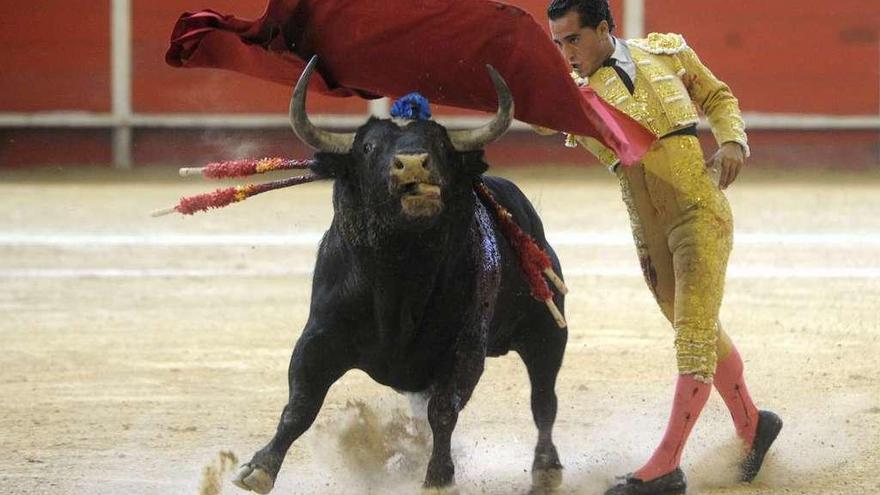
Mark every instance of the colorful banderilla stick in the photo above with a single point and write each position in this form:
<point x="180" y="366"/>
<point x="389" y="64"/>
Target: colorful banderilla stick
<point x="222" y="197"/>
<point x="244" y="168"/>
<point x="533" y="260"/>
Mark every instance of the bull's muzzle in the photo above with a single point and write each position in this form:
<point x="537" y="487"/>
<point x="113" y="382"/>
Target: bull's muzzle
<point x="411" y="178"/>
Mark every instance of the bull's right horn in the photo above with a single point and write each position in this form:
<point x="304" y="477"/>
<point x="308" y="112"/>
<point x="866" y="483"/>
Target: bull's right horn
<point x="474" y="139"/>
<point x="319" y="139"/>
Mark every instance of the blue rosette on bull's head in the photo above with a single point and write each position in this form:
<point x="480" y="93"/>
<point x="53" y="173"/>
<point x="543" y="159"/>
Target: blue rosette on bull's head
<point x="412" y="106"/>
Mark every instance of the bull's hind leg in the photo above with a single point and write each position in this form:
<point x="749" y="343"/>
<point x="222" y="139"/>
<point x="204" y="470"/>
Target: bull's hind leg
<point x="542" y="352"/>
<point x="314" y="366"/>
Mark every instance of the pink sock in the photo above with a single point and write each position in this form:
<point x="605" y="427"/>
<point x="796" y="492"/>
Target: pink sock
<point x="730" y="384"/>
<point x="690" y="397"/>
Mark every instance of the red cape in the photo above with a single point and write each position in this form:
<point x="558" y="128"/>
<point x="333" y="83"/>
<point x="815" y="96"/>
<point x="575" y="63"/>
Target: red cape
<point x="439" y="48"/>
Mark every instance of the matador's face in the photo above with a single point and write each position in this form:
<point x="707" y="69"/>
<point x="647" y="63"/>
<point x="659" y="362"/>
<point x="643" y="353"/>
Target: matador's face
<point x="583" y="47"/>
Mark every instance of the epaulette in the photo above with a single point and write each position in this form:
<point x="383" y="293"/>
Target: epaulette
<point x="660" y="43"/>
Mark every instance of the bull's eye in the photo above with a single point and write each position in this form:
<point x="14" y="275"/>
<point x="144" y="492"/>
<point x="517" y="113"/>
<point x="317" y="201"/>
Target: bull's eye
<point x="368" y="148"/>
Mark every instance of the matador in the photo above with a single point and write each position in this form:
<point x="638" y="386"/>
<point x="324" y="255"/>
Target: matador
<point x="681" y="220"/>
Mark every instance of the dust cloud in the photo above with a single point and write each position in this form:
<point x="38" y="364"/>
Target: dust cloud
<point x="214" y="474"/>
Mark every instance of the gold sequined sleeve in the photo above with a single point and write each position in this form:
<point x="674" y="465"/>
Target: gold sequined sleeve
<point x="714" y="98"/>
<point x="605" y="155"/>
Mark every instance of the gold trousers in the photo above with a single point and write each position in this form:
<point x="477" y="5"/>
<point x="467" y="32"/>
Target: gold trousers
<point x="683" y="231"/>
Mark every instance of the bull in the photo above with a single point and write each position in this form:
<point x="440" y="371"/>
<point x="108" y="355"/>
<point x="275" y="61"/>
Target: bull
<point x="414" y="283"/>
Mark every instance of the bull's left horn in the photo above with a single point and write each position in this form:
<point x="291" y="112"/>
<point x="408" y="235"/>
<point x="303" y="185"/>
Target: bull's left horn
<point x="474" y="139"/>
<point x="319" y="139"/>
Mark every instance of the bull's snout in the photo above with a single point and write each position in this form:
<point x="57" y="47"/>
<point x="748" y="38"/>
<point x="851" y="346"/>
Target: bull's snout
<point x="411" y="178"/>
<point x="410" y="168"/>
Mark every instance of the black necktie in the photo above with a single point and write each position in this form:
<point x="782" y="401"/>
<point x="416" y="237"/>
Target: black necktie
<point x="627" y="81"/>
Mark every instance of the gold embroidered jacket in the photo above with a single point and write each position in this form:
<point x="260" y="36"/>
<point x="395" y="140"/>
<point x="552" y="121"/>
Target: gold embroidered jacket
<point x="671" y="85"/>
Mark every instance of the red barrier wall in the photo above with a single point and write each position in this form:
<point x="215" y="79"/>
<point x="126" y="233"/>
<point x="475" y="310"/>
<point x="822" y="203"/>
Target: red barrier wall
<point x="808" y="56"/>
<point x="48" y="62"/>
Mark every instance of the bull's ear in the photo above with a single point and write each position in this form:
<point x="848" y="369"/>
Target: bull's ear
<point x="331" y="165"/>
<point x="472" y="162"/>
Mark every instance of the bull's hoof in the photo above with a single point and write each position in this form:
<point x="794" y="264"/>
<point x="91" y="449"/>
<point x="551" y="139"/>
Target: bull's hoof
<point x="441" y="490"/>
<point x="254" y="479"/>
<point x="546" y="480"/>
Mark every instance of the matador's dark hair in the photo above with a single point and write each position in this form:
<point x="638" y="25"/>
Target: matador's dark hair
<point x="591" y="12"/>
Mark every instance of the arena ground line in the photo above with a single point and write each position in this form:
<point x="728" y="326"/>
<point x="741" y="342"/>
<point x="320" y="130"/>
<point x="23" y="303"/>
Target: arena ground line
<point x="312" y="238"/>
<point x="734" y="272"/>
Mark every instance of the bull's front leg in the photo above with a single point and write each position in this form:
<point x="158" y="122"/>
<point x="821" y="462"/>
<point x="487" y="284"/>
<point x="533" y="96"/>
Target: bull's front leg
<point x="449" y="398"/>
<point x="318" y="360"/>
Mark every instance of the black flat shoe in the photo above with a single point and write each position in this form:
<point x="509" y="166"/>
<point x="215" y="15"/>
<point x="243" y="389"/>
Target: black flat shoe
<point x="673" y="483"/>
<point x="769" y="425"/>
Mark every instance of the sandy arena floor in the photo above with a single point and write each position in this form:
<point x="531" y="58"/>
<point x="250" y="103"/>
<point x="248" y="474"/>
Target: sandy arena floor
<point x="137" y="350"/>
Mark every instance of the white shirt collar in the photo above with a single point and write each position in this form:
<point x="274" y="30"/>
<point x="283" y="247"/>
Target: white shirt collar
<point x="623" y="57"/>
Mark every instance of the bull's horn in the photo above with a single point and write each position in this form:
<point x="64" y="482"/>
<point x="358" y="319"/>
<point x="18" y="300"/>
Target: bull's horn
<point x="474" y="139"/>
<point x="319" y="139"/>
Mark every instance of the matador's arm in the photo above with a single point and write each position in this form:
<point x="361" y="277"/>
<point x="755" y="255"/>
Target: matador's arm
<point x="714" y="98"/>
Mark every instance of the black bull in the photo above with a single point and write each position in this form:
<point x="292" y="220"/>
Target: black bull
<point x="415" y="284"/>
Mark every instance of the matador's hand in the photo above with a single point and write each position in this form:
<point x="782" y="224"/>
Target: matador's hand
<point x="728" y="161"/>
